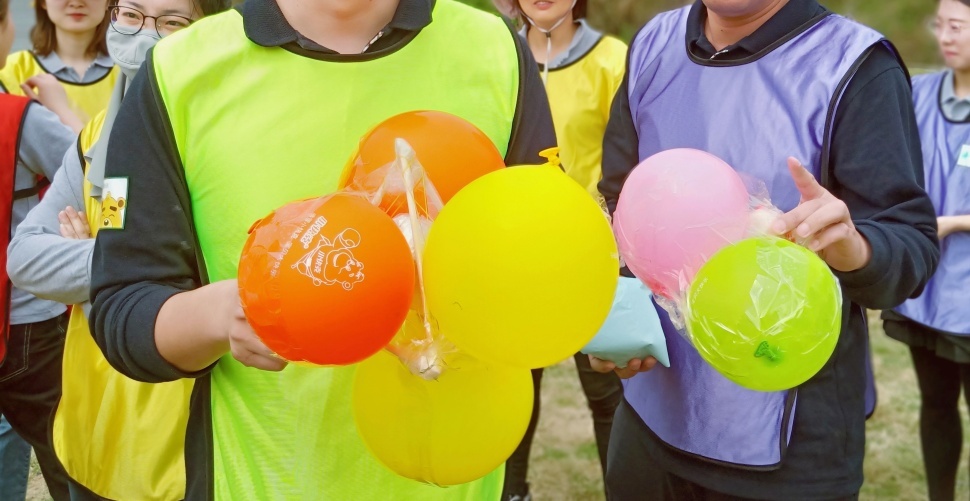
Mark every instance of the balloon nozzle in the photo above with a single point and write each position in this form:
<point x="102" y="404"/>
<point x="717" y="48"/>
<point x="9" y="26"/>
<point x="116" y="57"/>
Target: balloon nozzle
<point x="552" y="157"/>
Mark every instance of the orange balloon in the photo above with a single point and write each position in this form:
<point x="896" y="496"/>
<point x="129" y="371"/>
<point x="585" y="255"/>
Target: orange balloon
<point x="326" y="280"/>
<point x="452" y="151"/>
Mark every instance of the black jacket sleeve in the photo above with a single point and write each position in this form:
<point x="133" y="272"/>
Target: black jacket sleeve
<point x="877" y="168"/>
<point x="154" y="256"/>
<point x="620" y="144"/>
<point x="532" y="129"/>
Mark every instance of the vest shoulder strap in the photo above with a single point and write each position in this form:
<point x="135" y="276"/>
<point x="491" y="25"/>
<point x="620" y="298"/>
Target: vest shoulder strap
<point x="13" y="111"/>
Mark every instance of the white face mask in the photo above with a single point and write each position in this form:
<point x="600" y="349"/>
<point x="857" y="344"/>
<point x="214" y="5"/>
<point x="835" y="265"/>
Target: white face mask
<point x="129" y="51"/>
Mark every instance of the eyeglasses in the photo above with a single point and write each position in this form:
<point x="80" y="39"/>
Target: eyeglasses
<point x="129" y="21"/>
<point x="938" y="28"/>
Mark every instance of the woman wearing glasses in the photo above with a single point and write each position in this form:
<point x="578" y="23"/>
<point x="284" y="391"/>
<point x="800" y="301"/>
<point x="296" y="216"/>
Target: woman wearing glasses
<point x="68" y="49"/>
<point x="111" y="447"/>
<point x="936" y="325"/>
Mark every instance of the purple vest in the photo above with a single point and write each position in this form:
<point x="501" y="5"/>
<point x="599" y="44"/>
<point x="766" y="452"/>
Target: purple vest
<point x="753" y="114"/>
<point x="946" y="165"/>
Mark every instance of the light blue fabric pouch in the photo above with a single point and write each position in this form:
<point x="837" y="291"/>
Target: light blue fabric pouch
<point x="632" y="329"/>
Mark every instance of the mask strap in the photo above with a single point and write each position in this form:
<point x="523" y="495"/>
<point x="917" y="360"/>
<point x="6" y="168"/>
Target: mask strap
<point x="548" y="34"/>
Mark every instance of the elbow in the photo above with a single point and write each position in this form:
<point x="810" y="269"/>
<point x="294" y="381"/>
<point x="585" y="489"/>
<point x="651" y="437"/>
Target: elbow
<point x="904" y="259"/>
<point x="18" y="262"/>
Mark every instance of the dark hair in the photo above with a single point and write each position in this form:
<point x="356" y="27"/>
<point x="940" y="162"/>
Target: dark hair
<point x="43" y="34"/>
<point x="4" y="8"/>
<point x="209" y="7"/>
<point x="579" y="11"/>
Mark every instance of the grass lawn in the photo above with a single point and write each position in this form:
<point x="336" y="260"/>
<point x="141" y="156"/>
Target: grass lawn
<point x="565" y="466"/>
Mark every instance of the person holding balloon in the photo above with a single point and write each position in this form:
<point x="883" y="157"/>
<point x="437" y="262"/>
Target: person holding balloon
<point x="50" y="256"/>
<point x="165" y="300"/>
<point x="582" y="68"/>
<point x="818" y="108"/>
<point x="936" y="325"/>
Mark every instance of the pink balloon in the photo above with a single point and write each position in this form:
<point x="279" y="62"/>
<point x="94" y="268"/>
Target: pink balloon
<point x="677" y="208"/>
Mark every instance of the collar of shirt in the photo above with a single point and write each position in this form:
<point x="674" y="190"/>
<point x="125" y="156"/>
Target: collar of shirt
<point x="53" y="64"/>
<point x="583" y="40"/>
<point x="954" y="108"/>
<point x="265" y="25"/>
<point x="788" y="19"/>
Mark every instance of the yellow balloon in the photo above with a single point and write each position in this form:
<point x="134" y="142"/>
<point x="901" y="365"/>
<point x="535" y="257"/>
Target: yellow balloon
<point x="446" y="432"/>
<point x="520" y="267"/>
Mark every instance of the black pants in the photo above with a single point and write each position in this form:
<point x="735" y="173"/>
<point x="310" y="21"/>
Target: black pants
<point x="632" y="475"/>
<point x="30" y="386"/>
<point x="603" y="394"/>
<point x="940" y="430"/>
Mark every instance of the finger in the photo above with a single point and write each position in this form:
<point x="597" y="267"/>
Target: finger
<point x="648" y="364"/>
<point x="29" y="92"/>
<point x="76" y="222"/>
<point x="789" y="221"/>
<point x="257" y="361"/>
<point x="66" y="228"/>
<point x="84" y="223"/>
<point x="831" y="235"/>
<point x="829" y="214"/>
<point x="600" y="365"/>
<point x="632" y="369"/>
<point x="804" y="180"/>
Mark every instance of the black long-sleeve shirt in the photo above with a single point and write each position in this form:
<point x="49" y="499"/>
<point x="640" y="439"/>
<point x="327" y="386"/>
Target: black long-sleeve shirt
<point x="876" y="167"/>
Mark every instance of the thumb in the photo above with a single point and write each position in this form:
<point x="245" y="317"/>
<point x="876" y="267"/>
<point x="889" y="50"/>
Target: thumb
<point x="804" y="180"/>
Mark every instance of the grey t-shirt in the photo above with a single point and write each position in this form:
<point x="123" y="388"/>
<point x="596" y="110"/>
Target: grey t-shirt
<point x="39" y="259"/>
<point x="53" y="64"/>
<point x="954" y="108"/>
<point x="43" y="142"/>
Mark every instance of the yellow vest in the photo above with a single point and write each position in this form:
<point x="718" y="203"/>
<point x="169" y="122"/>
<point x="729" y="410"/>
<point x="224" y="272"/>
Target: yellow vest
<point x="119" y="438"/>
<point x="580" y="95"/>
<point x="87" y="100"/>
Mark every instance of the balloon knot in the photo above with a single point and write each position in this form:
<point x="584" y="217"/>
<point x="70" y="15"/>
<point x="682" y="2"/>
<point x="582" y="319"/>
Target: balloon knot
<point x="552" y="156"/>
<point x="767" y="351"/>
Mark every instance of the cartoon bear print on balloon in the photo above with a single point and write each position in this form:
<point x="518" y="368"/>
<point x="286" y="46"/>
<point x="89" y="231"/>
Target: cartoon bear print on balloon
<point x="332" y="262"/>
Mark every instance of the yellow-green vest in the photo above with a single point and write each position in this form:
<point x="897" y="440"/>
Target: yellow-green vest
<point x="257" y="127"/>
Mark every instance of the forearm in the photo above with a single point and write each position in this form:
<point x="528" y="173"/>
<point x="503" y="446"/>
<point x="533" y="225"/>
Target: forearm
<point x="50" y="266"/>
<point x="955" y="224"/>
<point x="40" y="260"/>
<point x="190" y="330"/>
<point x="69" y="118"/>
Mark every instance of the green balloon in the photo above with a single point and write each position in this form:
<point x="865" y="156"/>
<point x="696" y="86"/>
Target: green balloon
<point x="765" y="313"/>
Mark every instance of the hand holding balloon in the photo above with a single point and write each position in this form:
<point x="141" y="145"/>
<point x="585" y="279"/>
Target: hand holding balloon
<point x="244" y="344"/>
<point x="823" y="223"/>
<point x="633" y="367"/>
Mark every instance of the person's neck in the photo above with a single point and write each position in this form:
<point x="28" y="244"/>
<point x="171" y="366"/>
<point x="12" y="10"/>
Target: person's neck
<point x="724" y="31"/>
<point x="344" y="26"/>
<point x="961" y="83"/>
<point x="72" y="48"/>
<point x="562" y="37"/>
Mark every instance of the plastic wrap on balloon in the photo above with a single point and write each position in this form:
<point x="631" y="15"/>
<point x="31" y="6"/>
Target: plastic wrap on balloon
<point x="762" y="310"/>
<point x="765" y="312"/>
<point x="327" y="280"/>
<point x="677" y="208"/>
<point x="404" y="189"/>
